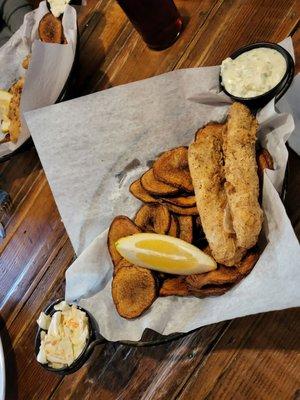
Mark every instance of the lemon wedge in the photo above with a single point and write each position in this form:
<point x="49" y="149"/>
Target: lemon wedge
<point x="165" y="254"/>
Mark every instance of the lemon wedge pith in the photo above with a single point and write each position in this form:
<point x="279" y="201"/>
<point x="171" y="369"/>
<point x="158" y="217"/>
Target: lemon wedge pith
<point x="165" y="254"/>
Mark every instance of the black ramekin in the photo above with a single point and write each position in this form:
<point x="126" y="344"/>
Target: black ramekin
<point x="92" y="340"/>
<point x="257" y="102"/>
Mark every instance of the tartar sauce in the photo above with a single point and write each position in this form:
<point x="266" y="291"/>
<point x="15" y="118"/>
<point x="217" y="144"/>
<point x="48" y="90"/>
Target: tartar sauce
<point x="57" y="7"/>
<point x="253" y="73"/>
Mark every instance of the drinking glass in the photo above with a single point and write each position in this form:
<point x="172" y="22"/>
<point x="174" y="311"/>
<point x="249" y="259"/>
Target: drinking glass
<point x="158" y="21"/>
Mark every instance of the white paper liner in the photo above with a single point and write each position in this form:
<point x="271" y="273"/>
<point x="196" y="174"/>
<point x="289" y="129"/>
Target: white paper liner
<point x="49" y="68"/>
<point x="92" y="148"/>
<point x="290" y="105"/>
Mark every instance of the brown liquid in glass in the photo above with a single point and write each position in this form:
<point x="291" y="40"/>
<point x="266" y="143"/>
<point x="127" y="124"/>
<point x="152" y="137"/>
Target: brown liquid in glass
<point x="158" y="21"/>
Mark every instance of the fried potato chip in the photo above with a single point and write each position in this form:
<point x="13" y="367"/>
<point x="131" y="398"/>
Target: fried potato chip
<point x="182" y="210"/>
<point x="174" y="227"/>
<point x="198" y="226"/>
<point x="264" y="160"/>
<point x="198" y="229"/>
<point x="181" y="201"/>
<point x="172" y="168"/>
<point x="137" y="190"/>
<point x="218" y="277"/>
<point x="245" y="266"/>
<point x="14" y="109"/>
<point x="223" y="276"/>
<point x="14" y="130"/>
<point x="153" y="218"/>
<point x="185" y="228"/>
<point x="120" y="227"/>
<point x="210" y="127"/>
<point x="174" y="287"/>
<point x="134" y="289"/>
<point x="5" y="139"/>
<point x="122" y="263"/>
<point x="50" y="29"/>
<point x="210" y="291"/>
<point x="156" y="187"/>
<point x="207" y="250"/>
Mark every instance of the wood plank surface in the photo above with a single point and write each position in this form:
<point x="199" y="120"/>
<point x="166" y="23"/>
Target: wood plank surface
<point x="255" y="357"/>
<point x="253" y="361"/>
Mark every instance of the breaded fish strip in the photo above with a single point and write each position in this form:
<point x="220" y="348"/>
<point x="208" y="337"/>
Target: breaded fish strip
<point x="206" y="168"/>
<point x="14" y="109"/>
<point x="242" y="185"/>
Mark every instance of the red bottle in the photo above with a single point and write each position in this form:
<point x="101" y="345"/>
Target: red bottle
<point x="158" y="21"/>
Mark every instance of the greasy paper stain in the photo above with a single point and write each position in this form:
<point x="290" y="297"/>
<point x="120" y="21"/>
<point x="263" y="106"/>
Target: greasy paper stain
<point x="129" y="167"/>
<point x="150" y="163"/>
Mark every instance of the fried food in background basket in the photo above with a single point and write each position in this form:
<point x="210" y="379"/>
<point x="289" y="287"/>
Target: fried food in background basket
<point x="206" y="166"/>
<point x="14" y="109"/>
<point x="51" y="29"/>
<point x="10" y="111"/>
<point x="223" y="218"/>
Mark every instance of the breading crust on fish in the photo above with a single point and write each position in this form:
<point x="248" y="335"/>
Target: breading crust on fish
<point x="14" y="109"/>
<point x="206" y="168"/>
<point x="242" y="184"/>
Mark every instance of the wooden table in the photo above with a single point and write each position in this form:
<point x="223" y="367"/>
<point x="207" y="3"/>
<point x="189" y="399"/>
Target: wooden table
<point x="255" y="357"/>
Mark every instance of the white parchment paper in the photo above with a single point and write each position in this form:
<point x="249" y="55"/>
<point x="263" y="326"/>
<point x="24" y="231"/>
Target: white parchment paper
<point x="290" y="104"/>
<point x="92" y="148"/>
<point x="49" y="67"/>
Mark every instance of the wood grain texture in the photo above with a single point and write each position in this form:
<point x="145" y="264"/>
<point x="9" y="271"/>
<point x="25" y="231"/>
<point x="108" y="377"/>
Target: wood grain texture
<point x="135" y="61"/>
<point x="158" y="372"/>
<point x="254" y="360"/>
<point x="255" y="357"/>
<point x="237" y="23"/>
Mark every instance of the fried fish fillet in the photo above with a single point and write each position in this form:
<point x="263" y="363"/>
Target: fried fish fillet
<point x="242" y="184"/>
<point x="206" y="168"/>
<point x="14" y="109"/>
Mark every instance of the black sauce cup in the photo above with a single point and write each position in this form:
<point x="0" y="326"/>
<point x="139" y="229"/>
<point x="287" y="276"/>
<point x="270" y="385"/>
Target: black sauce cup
<point x="95" y="339"/>
<point x="257" y="102"/>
